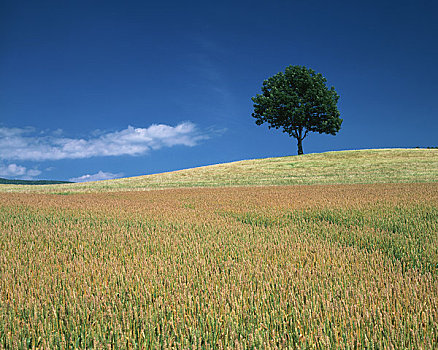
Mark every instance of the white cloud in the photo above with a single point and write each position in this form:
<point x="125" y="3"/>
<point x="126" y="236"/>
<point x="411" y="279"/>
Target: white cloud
<point x="15" y="170"/>
<point x="101" y="175"/>
<point x="24" y="144"/>
<point x="33" y="172"/>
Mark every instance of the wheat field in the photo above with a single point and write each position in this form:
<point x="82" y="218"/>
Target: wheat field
<point x="300" y="267"/>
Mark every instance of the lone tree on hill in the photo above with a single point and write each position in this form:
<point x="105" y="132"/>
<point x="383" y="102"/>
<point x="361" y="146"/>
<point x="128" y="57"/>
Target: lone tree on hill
<point x="298" y="101"/>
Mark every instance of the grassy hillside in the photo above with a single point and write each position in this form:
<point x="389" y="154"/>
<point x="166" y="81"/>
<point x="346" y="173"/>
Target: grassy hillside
<point x="298" y="267"/>
<point x="349" y="167"/>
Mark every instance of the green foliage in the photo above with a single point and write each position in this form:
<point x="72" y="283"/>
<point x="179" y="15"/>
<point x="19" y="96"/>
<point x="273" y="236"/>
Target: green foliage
<point x="298" y="101"/>
<point x="31" y="182"/>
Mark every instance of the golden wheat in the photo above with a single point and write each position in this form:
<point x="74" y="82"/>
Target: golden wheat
<point x="340" y="266"/>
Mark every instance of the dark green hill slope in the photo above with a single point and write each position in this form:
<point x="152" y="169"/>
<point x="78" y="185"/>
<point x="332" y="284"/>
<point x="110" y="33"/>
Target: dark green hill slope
<point x="31" y="182"/>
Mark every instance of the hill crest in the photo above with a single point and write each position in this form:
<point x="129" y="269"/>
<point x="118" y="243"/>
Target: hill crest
<point x="337" y="167"/>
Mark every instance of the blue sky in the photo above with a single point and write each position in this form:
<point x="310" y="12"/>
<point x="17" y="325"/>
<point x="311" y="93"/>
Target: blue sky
<point x="102" y="89"/>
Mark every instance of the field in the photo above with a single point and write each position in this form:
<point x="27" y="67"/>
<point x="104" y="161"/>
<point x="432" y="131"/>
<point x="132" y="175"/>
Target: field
<point x="318" y="266"/>
<point x="327" y="251"/>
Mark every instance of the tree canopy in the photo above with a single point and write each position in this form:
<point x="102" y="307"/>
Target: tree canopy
<point x="298" y="101"/>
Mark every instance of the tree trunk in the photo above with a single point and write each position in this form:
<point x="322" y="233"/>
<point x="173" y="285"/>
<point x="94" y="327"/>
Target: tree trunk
<point x="300" y="146"/>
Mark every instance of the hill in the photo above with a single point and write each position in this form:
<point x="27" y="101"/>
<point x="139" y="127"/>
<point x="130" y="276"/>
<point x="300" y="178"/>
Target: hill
<point x="341" y="167"/>
<point x="319" y="266"/>
<point x="31" y="182"/>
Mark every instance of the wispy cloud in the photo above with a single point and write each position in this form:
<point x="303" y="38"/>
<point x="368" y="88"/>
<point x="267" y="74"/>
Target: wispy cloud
<point x="208" y="69"/>
<point x="14" y="170"/>
<point x="101" y="175"/>
<point x="27" y="144"/>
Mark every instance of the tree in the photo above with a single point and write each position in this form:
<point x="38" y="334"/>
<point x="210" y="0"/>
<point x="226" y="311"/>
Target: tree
<point x="298" y="101"/>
